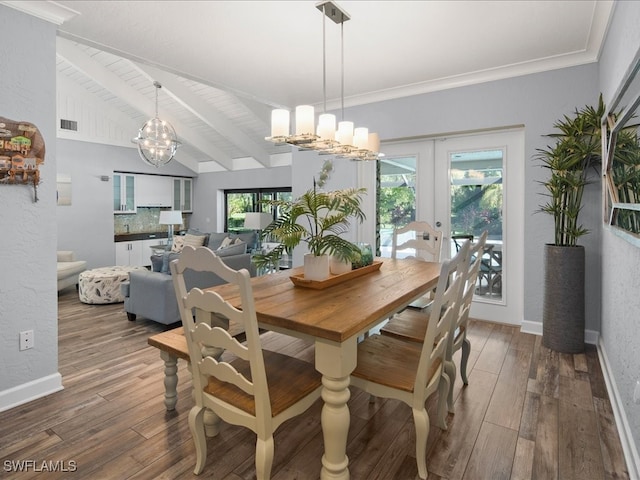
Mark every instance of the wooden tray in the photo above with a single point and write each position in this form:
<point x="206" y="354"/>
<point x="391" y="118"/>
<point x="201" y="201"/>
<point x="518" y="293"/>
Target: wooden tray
<point x="299" y="280"/>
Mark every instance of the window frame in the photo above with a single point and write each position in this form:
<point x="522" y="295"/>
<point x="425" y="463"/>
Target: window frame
<point x="258" y="196"/>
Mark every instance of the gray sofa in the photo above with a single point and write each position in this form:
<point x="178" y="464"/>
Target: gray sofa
<point x="150" y="294"/>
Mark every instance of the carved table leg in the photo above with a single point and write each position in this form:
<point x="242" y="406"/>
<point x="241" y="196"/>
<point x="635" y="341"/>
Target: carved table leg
<point x="335" y="427"/>
<point x="335" y="361"/>
<point x="170" y="379"/>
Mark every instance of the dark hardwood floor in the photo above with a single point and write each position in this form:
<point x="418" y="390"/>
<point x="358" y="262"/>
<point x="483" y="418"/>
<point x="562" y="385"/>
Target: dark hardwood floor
<point x="528" y="413"/>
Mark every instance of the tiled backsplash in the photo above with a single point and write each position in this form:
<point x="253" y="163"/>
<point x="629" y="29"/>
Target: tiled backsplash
<point x="146" y="220"/>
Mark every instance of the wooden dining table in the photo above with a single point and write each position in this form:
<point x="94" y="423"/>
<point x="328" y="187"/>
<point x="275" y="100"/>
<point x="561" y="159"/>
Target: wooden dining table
<point x="334" y="318"/>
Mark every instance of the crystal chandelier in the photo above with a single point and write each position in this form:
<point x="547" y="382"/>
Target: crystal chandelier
<point x="346" y="141"/>
<point x="157" y="141"/>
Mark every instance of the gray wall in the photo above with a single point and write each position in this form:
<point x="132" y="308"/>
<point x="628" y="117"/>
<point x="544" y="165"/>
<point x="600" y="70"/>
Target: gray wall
<point x="620" y="259"/>
<point x="28" y="292"/>
<point x="86" y="226"/>
<point x="534" y="101"/>
<point x="208" y="200"/>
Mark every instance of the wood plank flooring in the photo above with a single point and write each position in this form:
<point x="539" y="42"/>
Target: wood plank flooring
<point x="528" y="413"/>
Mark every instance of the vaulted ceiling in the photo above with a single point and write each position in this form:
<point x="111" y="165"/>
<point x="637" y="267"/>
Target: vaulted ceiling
<point x="224" y="65"/>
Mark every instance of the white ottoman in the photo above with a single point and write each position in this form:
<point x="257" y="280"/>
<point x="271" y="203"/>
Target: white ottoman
<point x="102" y="285"/>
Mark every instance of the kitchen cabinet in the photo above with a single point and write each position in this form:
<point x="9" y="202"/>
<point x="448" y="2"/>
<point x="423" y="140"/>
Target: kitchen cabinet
<point x="129" y="253"/>
<point x="124" y="193"/>
<point x="137" y="252"/>
<point x="183" y="194"/>
<point x="154" y="191"/>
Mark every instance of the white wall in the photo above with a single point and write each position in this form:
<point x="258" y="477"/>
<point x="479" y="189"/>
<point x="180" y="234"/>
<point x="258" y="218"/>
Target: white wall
<point x="620" y="335"/>
<point x="28" y="292"/>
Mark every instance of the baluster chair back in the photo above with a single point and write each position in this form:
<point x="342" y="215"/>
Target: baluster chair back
<point x="408" y="371"/>
<point x="247" y="386"/>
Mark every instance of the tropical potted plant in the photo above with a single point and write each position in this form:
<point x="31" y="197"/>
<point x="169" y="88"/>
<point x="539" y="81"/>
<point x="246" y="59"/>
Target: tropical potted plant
<point x="575" y="154"/>
<point x="318" y="219"/>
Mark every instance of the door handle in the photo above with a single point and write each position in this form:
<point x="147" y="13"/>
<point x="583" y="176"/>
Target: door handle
<point x="438" y="224"/>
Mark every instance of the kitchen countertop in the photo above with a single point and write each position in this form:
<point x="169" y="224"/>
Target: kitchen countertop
<point x="130" y="237"/>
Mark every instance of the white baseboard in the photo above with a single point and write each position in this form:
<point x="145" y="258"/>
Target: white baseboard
<point x="30" y="391"/>
<point x="535" y="328"/>
<point x="590" y="336"/>
<point x="624" y="429"/>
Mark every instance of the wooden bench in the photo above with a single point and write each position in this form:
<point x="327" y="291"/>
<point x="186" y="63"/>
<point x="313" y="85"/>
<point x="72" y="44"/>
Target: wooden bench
<point x="173" y="345"/>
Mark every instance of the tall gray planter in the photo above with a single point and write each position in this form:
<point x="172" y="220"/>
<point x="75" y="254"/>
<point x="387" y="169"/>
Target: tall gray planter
<point x="563" y="315"/>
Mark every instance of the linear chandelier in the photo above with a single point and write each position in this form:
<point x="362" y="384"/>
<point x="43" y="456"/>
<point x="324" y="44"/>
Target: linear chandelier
<point x="157" y="141"/>
<point x="345" y="142"/>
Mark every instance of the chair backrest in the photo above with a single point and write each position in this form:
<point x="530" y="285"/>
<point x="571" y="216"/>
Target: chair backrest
<point x="470" y="272"/>
<point x="425" y="241"/>
<point x="444" y="312"/>
<point x="203" y="340"/>
<point x="458" y="240"/>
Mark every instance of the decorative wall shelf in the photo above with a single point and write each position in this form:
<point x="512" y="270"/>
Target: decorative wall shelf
<point x="21" y="153"/>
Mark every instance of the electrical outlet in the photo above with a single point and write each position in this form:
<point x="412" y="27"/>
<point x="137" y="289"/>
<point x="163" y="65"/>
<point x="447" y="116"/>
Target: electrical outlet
<point x="26" y="340"/>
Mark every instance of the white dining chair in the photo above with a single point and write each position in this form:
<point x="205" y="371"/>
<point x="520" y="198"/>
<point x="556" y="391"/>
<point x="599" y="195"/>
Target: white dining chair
<point x="258" y="389"/>
<point x="408" y="371"/>
<point x="411" y="325"/>
<point x="424" y="243"/>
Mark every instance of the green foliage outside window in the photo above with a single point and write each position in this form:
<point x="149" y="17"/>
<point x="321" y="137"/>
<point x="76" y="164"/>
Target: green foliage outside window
<point x="397" y="205"/>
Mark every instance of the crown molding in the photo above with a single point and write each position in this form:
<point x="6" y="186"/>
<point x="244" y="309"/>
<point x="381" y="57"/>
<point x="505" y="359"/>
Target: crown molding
<point x="50" y="11"/>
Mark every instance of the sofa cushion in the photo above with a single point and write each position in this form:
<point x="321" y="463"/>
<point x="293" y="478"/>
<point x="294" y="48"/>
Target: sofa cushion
<point x="67" y="269"/>
<point x="167" y="258"/>
<point x="215" y="240"/>
<point x="250" y="238"/>
<point x="233" y="249"/>
<point x="156" y="263"/>
<point x="198" y="233"/>
<point x="189" y="239"/>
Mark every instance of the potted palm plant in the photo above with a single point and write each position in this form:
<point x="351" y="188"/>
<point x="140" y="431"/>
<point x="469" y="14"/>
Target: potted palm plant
<point x="318" y="219"/>
<point x="575" y="154"/>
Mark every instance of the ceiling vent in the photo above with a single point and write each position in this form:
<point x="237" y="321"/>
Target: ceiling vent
<point x="68" y="125"/>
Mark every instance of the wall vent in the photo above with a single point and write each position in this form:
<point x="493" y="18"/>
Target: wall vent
<point x="68" y="125"/>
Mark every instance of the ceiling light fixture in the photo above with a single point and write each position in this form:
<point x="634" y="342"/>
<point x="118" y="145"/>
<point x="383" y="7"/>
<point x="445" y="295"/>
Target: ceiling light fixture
<point x="157" y="141"/>
<point x="345" y="142"/>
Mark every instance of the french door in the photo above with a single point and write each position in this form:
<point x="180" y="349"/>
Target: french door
<point x="463" y="185"/>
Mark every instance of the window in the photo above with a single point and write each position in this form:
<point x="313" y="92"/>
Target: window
<point x="396" y="197"/>
<point x="239" y="201"/>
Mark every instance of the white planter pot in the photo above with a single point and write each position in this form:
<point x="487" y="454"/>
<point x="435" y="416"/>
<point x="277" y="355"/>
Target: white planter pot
<point x="338" y="266"/>
<point x="316" y="268"/>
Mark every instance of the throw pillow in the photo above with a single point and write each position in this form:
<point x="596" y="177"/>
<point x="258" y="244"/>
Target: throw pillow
<point x="178" y="244"/>
<point x="235" y="249"/>
<point x="215" y="239"/>
<point x="225" y="243"/>
<point x="250" y="238"/>
<point x="195" y="231"/>
<point x="194" y="240"/>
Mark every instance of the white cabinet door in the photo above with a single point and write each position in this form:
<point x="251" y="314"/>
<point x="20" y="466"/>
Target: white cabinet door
<point x="154" y="191"/>
<point x="129" y="253"/>
<point x="182" y="194"/>
<point x="124" y="193"/>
